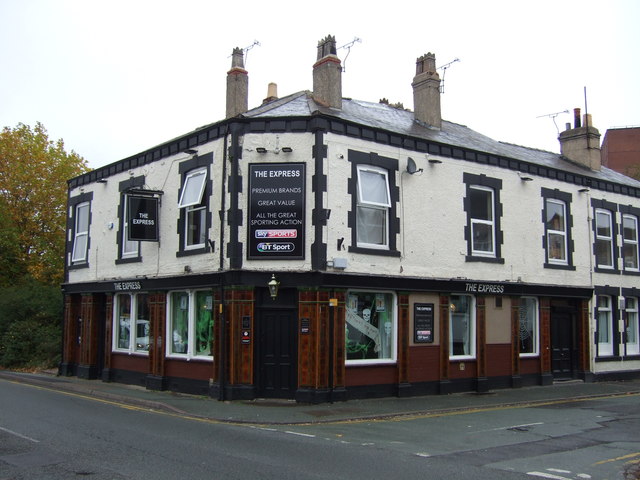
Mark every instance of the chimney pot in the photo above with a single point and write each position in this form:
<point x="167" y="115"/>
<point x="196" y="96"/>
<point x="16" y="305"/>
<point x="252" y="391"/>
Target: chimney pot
<point x="576" y="118"/>
<point x="426" y="91"/>
<point x="237" y="85"/>
<point x="327" y="74"/>
<point x="272" y="93"/>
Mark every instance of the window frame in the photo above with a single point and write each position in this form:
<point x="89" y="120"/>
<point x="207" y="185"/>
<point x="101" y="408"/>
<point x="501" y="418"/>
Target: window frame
<point x="135" y="253"/>
<point x="473" y="221"/>
<point x="634" y="243"/>
<point x="632" y="317"/>
<point x="493" y="186"/>
<point x="383" y="207"/>
<point x="599" y="213"/>
<point x="197" y="172"/>
<point x="471" y="328"/>
<point x="192" y="327"/>
<point x="393" y="358"/>
<point x="77" y="233"/>
<point x="135" y="300"/>
<point x="605" y="349"/>
<point x="562" y="233"/>
<point x="536" y="328"/>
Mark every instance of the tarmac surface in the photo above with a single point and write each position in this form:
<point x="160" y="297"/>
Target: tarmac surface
<point x="283" y="412"/>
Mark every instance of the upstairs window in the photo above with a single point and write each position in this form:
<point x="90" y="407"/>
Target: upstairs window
<point x="630" y="243"/>
<point x="604" y="239"/>
<point x="482" y="216"/>
<point x="193" y="204"/>
<point x="556" y="227"/>
<point x="374" y="202"/>
<point x="81" y="233"/>
<point x="484" y="210"/>
<point x="130" y="248"/>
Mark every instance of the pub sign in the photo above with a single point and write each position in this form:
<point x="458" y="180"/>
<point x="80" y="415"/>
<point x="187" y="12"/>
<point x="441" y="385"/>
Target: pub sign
<point x="142" y="217"/>
<point x="276" y="211"/>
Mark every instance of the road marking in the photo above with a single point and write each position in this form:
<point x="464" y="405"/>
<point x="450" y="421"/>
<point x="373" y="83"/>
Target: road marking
<point x="557" y="470"/>
<point x="547" y="475"/>
<point x="509" y="428"/>
<point x="300" y="434"/>
<point x="624" y="457"/>
<point x="19" y="435"/>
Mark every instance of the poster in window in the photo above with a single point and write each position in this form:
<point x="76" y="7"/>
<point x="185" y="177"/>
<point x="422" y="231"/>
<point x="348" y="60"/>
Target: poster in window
<point x="276" y="211"/>
<point x="142" y="218"/>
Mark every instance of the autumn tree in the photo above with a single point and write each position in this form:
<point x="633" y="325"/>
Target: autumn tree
<point x="33" y="194"/>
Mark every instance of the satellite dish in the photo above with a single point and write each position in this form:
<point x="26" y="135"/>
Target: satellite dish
<point x="412" y="167"/>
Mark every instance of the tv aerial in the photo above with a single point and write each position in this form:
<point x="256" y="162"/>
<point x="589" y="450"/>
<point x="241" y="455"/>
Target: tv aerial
<point x="348" y="46"/>
<point x="553" y="117"/>
<point x="444" y="71"/>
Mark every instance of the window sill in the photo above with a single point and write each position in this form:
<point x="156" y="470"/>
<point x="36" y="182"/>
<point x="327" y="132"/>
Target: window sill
<point x="78" y="266"/>
<point x="374" y="251"/>
<point x="473" y="258"/>
<point x="124" y="260"/>
<point x="187" y="358"/>
<point x="611" y="358"/>
<point x="195" y="251"/>
<point x="369" y="363"/>
<point x="463" y="358"/>
<point x="557" y="266"/>
<point x="631" y="272"/>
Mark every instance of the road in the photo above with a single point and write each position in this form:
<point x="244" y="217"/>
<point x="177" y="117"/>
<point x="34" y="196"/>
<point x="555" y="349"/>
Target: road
<point x="47" y="434"/>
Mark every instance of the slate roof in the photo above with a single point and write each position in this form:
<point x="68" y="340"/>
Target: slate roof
<point x="388" y="118"/>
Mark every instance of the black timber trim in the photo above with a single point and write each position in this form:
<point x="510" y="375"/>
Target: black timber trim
<point x="327" y="280"/>
<point x="234" y="186"/>
<point x="495" y="184"/>
<point x="302" y="124"/>
<point x="613" y="293"/>
<point x="319" y="214"/>
<point x="612" y="208"/>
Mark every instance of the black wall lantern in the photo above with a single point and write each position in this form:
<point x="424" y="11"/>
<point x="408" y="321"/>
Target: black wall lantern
<point x="273" y="286"/>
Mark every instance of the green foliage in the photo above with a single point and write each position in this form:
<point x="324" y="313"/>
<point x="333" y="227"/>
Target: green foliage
<point x="30" y="325"/>
<point x="33" y="193"/>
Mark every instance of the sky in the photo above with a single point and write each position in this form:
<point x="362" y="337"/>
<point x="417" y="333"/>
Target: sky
<point x="115" y="78"/>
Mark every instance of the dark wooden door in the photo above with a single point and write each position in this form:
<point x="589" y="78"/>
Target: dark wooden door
<point x="562" y="347"/>
<point x="277" y="355"/>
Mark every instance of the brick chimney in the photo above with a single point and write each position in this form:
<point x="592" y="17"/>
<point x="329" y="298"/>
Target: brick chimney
<point x="327" y="75"/>
<point x="581" y="144"/>
<point x="426" y="92"/>
<point x="237" y="85"/>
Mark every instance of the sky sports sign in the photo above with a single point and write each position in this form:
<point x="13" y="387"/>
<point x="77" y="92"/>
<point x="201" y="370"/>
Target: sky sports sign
<point x="276" y="210"/>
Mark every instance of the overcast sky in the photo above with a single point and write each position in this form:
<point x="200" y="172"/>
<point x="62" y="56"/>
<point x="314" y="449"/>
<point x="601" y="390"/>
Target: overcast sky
<point x="114" y="78"/>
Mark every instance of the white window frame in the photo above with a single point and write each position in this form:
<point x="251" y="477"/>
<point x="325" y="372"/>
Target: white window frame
<point x="191" y="326"/>
<point x="199" y="214"/>
<point x="604" y="238"/>
<point x="133" y="321"/>
<point x="130" y="248"/>
<point x="479" y="221"/>
<point x="561" y="233"/>
<point x="605" y="348"/>
<point x="382" y="206"/>
<point x="632" y="324"/>
<point x="536" y="328"/>
<point x="394" y="330"/>
<point x="472" y="330"/>
<point x="195" y="180"/>
<point x="632" y="242"/>
<point x="79" y="253"/>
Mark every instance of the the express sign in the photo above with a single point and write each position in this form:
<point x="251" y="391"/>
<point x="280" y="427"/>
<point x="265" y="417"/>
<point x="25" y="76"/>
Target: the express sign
<point x="276" y="210"/>
<point x="143" y="219"/>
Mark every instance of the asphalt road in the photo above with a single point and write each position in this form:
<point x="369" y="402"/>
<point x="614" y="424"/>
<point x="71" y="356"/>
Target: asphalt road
<point x="47" y="434"/>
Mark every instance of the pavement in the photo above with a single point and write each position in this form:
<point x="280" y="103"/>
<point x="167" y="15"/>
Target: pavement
<point x="282" y="412"/>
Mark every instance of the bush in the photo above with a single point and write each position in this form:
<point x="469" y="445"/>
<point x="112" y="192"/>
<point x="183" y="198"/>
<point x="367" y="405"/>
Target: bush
<point x="30" y="325"/>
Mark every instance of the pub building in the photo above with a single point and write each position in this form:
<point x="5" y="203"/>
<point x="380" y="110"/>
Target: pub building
<point x="323" y="248"/>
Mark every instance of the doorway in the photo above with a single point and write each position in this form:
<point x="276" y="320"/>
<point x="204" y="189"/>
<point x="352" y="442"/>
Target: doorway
<point x="277" y="359"/>
<point x="563" y="343"/>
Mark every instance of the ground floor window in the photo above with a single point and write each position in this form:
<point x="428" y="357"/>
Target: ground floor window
<point x="528" y="333"/>
<point x="131" y="323"/>
<point x="604" y="327"/>
<point x="633" y="346"/>
<point x="370" y="327"/>
<point x="190" y="324"/>
<point x="462" y="327"/>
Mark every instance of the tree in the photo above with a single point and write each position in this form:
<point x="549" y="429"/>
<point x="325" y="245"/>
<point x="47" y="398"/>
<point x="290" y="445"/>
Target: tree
<point x="33" y="193"/>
